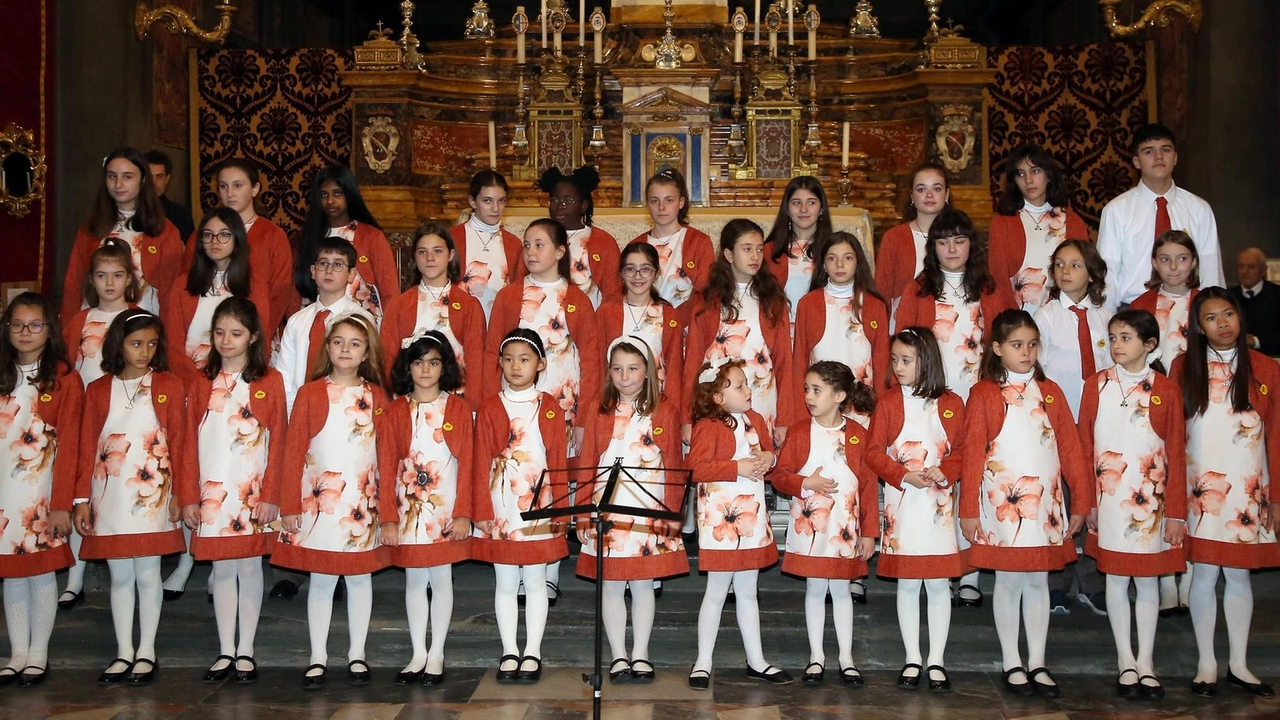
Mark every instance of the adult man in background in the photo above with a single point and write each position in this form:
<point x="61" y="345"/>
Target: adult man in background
<point x="161" y="174"/>
<point x="1259" y="301"/>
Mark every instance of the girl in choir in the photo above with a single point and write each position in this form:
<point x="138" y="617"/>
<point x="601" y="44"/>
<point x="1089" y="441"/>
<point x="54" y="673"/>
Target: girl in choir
<point x="915" y="448"/>
<point x="237" y="411"/>
<point x="635" y="424"/>
<point x="730" y="454"/>
<point x="1133" y="433"/>
<point x="904" y="248"/>
<point x="798" y="235"/>
<point x="1174" y="284"/>
<point x="110" y="288"/>
<point x="685" y="254"/>
<point x="136" y="479"/>
<point x="329" y="495"/>
<point x="520" y="431"/>
<point x="644" y="314"/>
<point x="742" y="315"/>
<point x="1032" y="219"/>
<point x="269" y="253"/>
<point x="843" y="318"/>
<point x="488" y="255"/>
<point x="424" y="455"/>
<point x="338" y="210"/>
<point x="1020" y="447"/>
<point x="1232" y="450"/>
<point x="1073" y="321"/>
<point x="593" y="253"/>
<point x="127" y="207"/>
<point x="834" y="510"/>
<point x="438" y="301"/>
<point x="219" y="270"/>
<point x="41" y="397"/>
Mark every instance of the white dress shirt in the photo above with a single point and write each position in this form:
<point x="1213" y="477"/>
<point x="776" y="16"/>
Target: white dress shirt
<point x="1126" y="234"/>
<point x="295" y="342"/>
<point x="1060" y="344"/>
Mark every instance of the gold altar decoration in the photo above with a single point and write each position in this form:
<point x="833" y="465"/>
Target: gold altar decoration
<point x="479" y="26"/>
<point x="179" y="22"/>
<point x="1158" y="14"/>
<point x="864" y="23"/>
<point x="951" y="50"/>
<point x="379" y="52"/>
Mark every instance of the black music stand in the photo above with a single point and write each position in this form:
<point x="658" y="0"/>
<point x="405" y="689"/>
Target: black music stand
<point x="615" y="474"/>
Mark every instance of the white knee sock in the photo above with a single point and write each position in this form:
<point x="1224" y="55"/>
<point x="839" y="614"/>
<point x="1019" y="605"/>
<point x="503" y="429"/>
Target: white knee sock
<point x="939" y="592"/>
<point x="75" y="576"/>
<point x="1237" y="607"/>
<point x="1035" y="617"/>
<point x="815" y="616"/>
<point x="123" y="599"/>
<point x="747" y="611"/>
<point x="909" y="617"/>
<point x="536" y="603"/>
<point x="223" y="582"/>
<point x="1118" y="614"/>
<point x="359" y="611"/>
<point x="416" y="609"/>
<point x="177" y="580"/>
<point x="644" y="605"/>
<point x="43" y="594"/>
<point x="1204" y="619"/>
<point x="1006" y="605"/>
<point x="1146" y="613"/>
<point x="709" y="617"/>
<point x="505" y="607"/>
<point x="150" y="599"/>
<point x="17" y="616"/>
<point x="842" y="618"/>
<point x="613" y="614"/>
<point x="320" y="614"/>
<point x="441" y="615"/>
<point x="249" y="574"/>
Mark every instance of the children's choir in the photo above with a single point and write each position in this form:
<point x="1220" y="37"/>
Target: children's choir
<point x="1012" y="409"/>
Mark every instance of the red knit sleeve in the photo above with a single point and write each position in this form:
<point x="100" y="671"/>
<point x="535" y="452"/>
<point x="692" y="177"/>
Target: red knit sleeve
<point x="605" y="261"/>
<point x="176" y="313"/>
<point x="1171" y="424"/>
<point x="491" y="429"/>
<point x="277" y="274"/>
<point x="785" y="476"/>
<point x="702" y="329"/>
<point x="997" y="302"/>
<point x="471" y="333"/>
<point x="1076" y="228"/>
<point x="515" y="262"/>
<point x="376" y="255"/>
<point x="594" y="440"/>
<point x="171" y="410"/>
<point x="394" y="435"/>
<point x="779" y="343"/>
<point x="983" y="420"/>
<point x="1075" y="470"/>
<point x="585" y="332"/>
<point x="269" y="405"/>
<point x="952" y="410"/>
<point x="1266" y="376"/>
<point x="913" y="309"/>
<point x="896" y="261"/>
<point x="310" y="410"/>
<point x="875" y="324"/>
<point x="668" y="420"/>
<point x="673" y="358"/>
<point x="77" y="270"/>
<point x="97" y="403"/>
<point x="71" y="329"/>
<point x="698" y="250"/>
<point x="459" y="234"/>
<point x="504" y="318"/>
<point x="163" y="267"/>
<point x="856" y="452"/>
<point x="551" y="423"/>
<point x="810" y="322"/>
<point x="394" y="318"/>
<point x="1006" y="246"/>
<point x="68" y="393"/>
<point x="461" y="440"/>
<point x="1146" y="301"/>
<point x="1085" y="425"/>
<point x="711" y="452"/>
<point x="886" y="424"/>
<point x="757" y="422"/>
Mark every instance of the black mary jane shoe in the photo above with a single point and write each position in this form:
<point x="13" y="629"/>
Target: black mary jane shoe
<point x="1128" y="691"/>
<point x="313" y="682"/>
<point x="910" y="682"/>
<point x="222" y="673"/>
<point x="812" y="676"/>
<point x="508" y="676"/>
<point x="358" y="677"/>
<point x="938" y="686"/>
<point x="68" y="600"/>
<point x="110" y="678"/>
<point x="1151" y="692"/>
<point x="642" y="671"/>
<point x="1020" y="689"/>
<point x="852" y="676"/>
<point x="858" y="592"/>
<point x="283" y="590"/>
<point x="9" y="676"/>
<point x="32" y="679"/>
<point x="962" y="601"/>
<point x="529" y="676"/>
<point x="1204" y="689"/>
<point x="777" y="677"/>
<point x="1044" y="689"/>
<point x="146" y="675"/>
<point x="171" y="595"/>
<point x="1260" y="689"/>
<point x="246" y="676"/>
<point x="429" y="679"/>
<point x="619" y="671"/>
<point x="700" y="679"/>
<point x="409" y="677"/>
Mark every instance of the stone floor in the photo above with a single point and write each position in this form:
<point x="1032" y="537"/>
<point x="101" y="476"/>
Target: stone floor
<point x="1081" y="653"/>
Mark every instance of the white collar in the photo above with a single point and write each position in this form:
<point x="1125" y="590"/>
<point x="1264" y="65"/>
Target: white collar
<point x="1013" y="377"/>
<point x="480" y="226"/>
<point x="1151" y="195"/>
<point x="1256" y="289"/>
<point x="1026" y="205"/>
<point x="840" y="291"/>
<point x="524" y="395"/>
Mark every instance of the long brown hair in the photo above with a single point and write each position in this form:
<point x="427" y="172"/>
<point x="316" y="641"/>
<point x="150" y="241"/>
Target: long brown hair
<point x="650" y="254"/>
<point x="1195" y="362"/>
<point x="245" y="313"/>
<point x="863" y="279"/>
<point x="1174" y="237"/>
<point x="931" y="374"/>
<point x="781" y="234"/>
<point x="977" y="278"/>
<point x="722" y="289"/>
<point x="858" y="396"/>
<point x="1096" y="289"/>
<point x="647" y="401"/>
<point x="704" y="403"/>
<point x="1001" y="328"/>
<point x="149" y="218"/>
<point x="370" y="369"/>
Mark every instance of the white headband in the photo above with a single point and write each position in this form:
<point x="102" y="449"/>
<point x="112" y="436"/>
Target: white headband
<point x="635" y="340"/>
<point x="542" y="355"/>
<point x="419" y="334"/>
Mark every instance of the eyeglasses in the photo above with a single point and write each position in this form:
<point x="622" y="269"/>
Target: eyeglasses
<point x="327" y="265"/>
<point x="563" y="201"/>
<point x="222" y="238"/>
<point x="641" y="271"/>
<point x="35" y="326"/>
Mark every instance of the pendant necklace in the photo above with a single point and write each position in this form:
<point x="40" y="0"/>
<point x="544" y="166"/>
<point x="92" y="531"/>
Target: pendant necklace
<point x="1036" y="221"/>
<point x="229" y="386"/>
<point x="1124" y="400"/>
<point x="131" y="398"/>
<point x="637" y="323"/>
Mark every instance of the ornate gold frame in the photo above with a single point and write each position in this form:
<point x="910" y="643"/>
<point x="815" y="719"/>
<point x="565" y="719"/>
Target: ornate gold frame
<point x="1158" y="13"/>
<point x="19" y="140"/>
<point x="181" y="23"/>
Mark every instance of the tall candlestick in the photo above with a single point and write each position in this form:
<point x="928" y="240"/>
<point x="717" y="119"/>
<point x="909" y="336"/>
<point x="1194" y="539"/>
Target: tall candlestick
<point x="493" y="145"/>
<point x="582" y="23"/>
<point x="757" y="23"/>
<point x="791" y="25"/>
<point x="542" y="20"/>
<point x="520" y="38"/>
<point x="844" y="146"/>
<point x="737" y="47"/>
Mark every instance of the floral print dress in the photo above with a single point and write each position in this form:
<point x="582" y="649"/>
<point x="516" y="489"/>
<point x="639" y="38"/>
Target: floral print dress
<point x="198" y="341"/>
<point x="580" y="267"/>
<point x="844" y="339"/>
<point x="149" y="299"/>
<point x="486" y="271"/>
<point x="1031" y="282"/>
<point x="799" y="273"/>
<point x="88" y="348"/>
<point x="433" y="314"/>
<point x="732" y="516"/>
<point x="426" y="489"/>
<point x="543" y="310"/>
<point x="1173" y="314"/>
<point x="360" y="288"/>
<point x="744" y="339"/>
<point x="958" y="327"/>
<point x="674" y="282"/>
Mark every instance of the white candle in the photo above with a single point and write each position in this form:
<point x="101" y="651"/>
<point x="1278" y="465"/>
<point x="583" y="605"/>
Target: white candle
<point x="493" y="144"/>
<point x="773" y="43"/>
<point x="844" y="146"/>
<point x="757" y="23"/>
<point x="791" y="25"/>
<point x="542" y="20"/>
<point x="520" y="39"/>
<point x="582" y="23"/>
<point x="556" y="43"/>
<point x="813" y="38"/>
<point x="598" y="42"/>
<point x="737" y="47"/>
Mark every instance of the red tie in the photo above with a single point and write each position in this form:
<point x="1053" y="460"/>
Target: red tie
<point x="315" y="342"/>
<point x="1163" y="224"/>
<point x="1087" y="368"/>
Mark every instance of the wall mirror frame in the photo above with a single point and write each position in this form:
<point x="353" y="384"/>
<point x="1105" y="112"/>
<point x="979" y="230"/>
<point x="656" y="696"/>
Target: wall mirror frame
<point x="22" y="170"/>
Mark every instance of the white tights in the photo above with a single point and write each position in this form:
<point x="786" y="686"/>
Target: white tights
<point x="643" y="607"/>
<point x="507" y="608"/>
<point x="30" y="604"/>
<point x="177" y="580"/>
<point x="1175" y="589"/>
<point x="1146" y="611"/>
<point x="75" y="576"/>
<point x="320" y="612"/>
<point x="237" y="593"/>
<point x="1021" y="598"/>
<point x="1237" y="606"/>
<point x="939" y="612"/>
<point x="142" y="574"/>
<point x="439" y="609"/>
<point x="746" y="609"/>
<point x="815" y="618"/>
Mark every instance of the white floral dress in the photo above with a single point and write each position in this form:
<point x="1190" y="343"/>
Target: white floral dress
<point x="958" y="327"/>
<point x="486" y="271"/>
<point x="580" y="268"/>
<point x="844" y="339"/>
<point x="744" y="339"/>
<point x="516" y="471"/>
<point x="919" y="521"/>
<point x="646" y="324"/>
<point x="433" y="314"/>
<point x="1032" y="281"/>
<point x="799" y="274"/>
<point x="149" y="300"/>
<point x="732" y="515"/>
<point x="198" y="341"/>
<point x="89" y="351"/>
<point x="1173" y="314"/>
<point x="28" y="446"/>
<point x="822" y="526"/>
<point x="543" y="311"/>
<point x="233" y="461"/>
<point x="132" y="474"/>
<point x="359" y="288"/>
<point x="673" y="283"/>
<point x="427" y="486"/>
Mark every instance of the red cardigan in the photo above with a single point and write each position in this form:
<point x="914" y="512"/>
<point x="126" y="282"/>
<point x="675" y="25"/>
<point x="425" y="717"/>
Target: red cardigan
<point x="267" y="403"/>
<point x="492" y="430"/>
<point x="605" y="261"/>
<point x="811" y="322"/>
<point x="786" y="477"/>
<point x="466" y="319"/>
<point x="511" y="244"/>
<point x="666" y="435"/>
<point x="711" y="452"/>
<point x="610" y="320"/>
<point x="895" y="261"/>
<point x="161" y="264"/>
<point x="61" y="408"/>
<point x="1147" y="300"/>
<point x="1007" y="243"/>
<point x="697" y="253"/>
<point x="178" y="312"/>
<point x="923" y="311"/>
<point x="395" y="439"/>
<point x="886" y="424"/>
<point x="777" y="337"/>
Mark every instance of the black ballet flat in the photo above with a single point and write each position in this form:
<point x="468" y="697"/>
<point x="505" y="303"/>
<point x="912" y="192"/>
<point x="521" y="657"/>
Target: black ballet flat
<point x="1020" y="689"/>
<point x="508" y="676"/>
<point x="69" y="603"/>
<point x="811" y="676"/>
<point x="858" y="592"/>
<point x="529" y="676"/>
<point x="1204" y="689"/>
<point x="32" y="679"/>
<point x="429" y="679"/>
<point x="851" y="676"/>
<point x="700" y="679"/>
<point x="910" y="682"/>
<point x="109" y="678"/>
<point x="8" y="676"/>
<point x="314" y="682"/>
<point x="146" y="676"/>
<point x="217" y="676"/>
<point x="409" y="677"/>
<point x="1151" y="692"/>
<point x="1043" y="689"/>
<point x="1260" y="689"/>
<point x="1168" y="612"/>
<point x="641" y="675"/>
<point x="938" y="686"/>
<point x="1130" y="691"/>
<point x="358" y="677"/>
<point x="619" y="671"/>
<point x="247" y="676"/>
<point x="171" y="595"/>
<point x="777" y="677"/>
<point x="962" y="601"/>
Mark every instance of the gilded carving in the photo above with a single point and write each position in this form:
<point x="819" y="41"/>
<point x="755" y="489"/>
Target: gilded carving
<point x="380" y="140"/>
